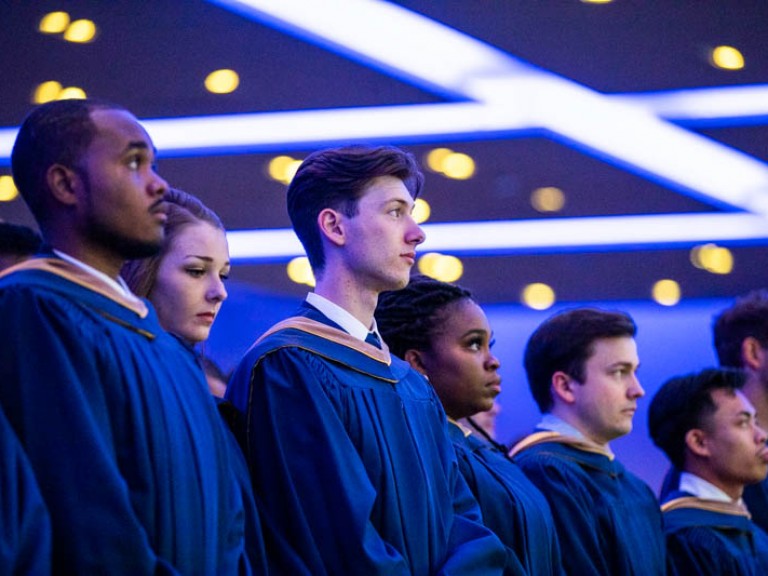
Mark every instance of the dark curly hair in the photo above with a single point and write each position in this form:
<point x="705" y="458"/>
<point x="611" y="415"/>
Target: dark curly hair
<point x="747" y="317"/>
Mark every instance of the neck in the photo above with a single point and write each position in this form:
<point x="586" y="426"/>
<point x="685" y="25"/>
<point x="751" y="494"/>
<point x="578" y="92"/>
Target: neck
<point x="102" y="260"/>
<point x="569" y="418"/>
<point x="345" y="293"/>
<point x="734" y="490"/>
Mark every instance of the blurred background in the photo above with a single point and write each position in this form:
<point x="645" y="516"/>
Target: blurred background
<point x="576" y="153"/>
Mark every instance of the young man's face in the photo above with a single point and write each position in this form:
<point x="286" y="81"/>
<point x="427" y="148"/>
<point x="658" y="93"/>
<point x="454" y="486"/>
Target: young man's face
<point x="120" y="201"/>
<point x="382" y="237"/>
<point x="735" y="444"/>
<point x="605" y="403"/>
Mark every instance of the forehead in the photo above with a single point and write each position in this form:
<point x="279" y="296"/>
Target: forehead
<point x="384" y="189"/>
<point x="119" y="128"/>
<point x="200" y="239"/>
<point x="730" y="403"/>
<point x="617" y="349"/>
<point x="462" y="316"/>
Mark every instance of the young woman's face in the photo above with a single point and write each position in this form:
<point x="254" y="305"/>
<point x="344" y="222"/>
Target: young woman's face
<point x="189" y="288"/>
<point x="460" y="364"/>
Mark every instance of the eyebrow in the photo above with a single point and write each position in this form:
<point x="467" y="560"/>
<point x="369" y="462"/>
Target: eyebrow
<point x="478" y="332"/>
<point x="399" y="201"/>
<point x="204" y="258"/>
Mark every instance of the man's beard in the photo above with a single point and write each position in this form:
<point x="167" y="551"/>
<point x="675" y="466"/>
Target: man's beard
<point x="127" y="247"/>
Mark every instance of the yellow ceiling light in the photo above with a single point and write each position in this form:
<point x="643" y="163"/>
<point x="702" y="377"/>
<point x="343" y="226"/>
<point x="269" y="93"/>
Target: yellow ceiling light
<point x="712" y="258"/>
<point x="436" y="157"/>
<point x="727" y="58"/>
<point x="71" y="93"/>
<point x="441" y="266"/>
<point x="538" y="296"/>
<point x="597" y="1"/>
<point x="283" y="168"/>
<point x="222" y="81"/>
<point x="54" y="23"/>
<point x="458" y="166"/>
<point x="300" y="271"/>
<point x="8" y="189"/>
<point x="548" y="199"/>
<point x="46" y="92"/>
<point x="80" y="31"/>
<point x="666" y="292"/>
<point x="421" y="210"/>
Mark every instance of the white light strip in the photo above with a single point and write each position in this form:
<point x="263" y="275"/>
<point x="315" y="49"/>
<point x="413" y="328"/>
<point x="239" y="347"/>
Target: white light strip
<point x="624" y="134"/>
<point x="387" y="36"/>
<point x="722" y="105"/>
<point x="515" y="236"/>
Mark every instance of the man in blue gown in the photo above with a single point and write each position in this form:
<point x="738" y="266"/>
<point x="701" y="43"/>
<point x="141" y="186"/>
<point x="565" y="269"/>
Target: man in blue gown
<point x="708" y="429"/>
<point x="346" y="444"/>
<point x="112" y="412"/>
<point x="581" y="367"/>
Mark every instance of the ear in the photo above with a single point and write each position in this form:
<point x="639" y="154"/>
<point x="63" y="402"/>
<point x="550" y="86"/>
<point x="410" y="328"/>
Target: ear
<point x="562" y="387"/>
<point x="415" y="359"/>
<point x="753" y="356"/>
<point x="62" y="183"/>
<point x="696" y="442"/>
<point x="330" y="223"/>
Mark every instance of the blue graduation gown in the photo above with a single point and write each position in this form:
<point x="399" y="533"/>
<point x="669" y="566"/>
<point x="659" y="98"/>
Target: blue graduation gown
<point x="116" y="419"/>
<point x="348" y="451"/>
<point x="608" y="520"/>
<point x="25" y="529"/>
<point x="511" y="506"/>
<point x="709" y="537"/>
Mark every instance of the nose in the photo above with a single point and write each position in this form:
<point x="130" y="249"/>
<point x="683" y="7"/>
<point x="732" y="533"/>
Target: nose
<point x="415" y="234"/>
<point x="635" y="389"/>
<point x="217" y="292"/>
<point x="493" y="363"/>
<point x="157" y="185"/>
<point x="760" y="434"/>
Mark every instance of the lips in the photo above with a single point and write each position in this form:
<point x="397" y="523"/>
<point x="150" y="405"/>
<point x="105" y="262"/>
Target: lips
<point x="410" y="256"/>
<point x="207" y="316"/>
<point x="763" y="454"/>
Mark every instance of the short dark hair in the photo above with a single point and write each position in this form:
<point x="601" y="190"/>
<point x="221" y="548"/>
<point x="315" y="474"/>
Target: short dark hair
<point x="57" y="132"/>
<point x="18" y="240"/>
<point x="747" y="317"/>
<point x="183" y="209"/>
<point x="337" y="178"/>
<point x="683" y="403"/>
<point x="408" y="319"/>
<point x="564" y="342"/>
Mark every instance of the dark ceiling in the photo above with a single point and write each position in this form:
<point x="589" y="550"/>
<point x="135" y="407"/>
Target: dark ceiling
<point x="152" y="58"/>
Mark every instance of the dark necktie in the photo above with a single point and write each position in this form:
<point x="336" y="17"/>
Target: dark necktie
<point x="373" y="340"/>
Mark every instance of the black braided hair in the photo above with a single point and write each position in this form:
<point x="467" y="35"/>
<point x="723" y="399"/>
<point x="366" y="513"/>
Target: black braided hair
<point x="409" y="318"/>
<point x="502" y="448"/>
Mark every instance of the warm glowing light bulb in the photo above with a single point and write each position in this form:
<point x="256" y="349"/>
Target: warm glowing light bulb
<point x="427" y="263"/>
<point x="447" y="268"/>
<point x="436" y="157"/>
<point x="538" y="296"/>
<point x="421" y="210"/>
<point x="54" y="23"/>
<point x="597" y="1"/>
<point x="80" y="32"/>
<point x="71" y="93"/>
<point x="8" y="189"/>
<point x="458" y="166"/>
<point x="548" y="199"/>
<point x="300" y="271"/>
<point x="666" y="292"/>
<point x="727" y="58"/>
<point x="46" y="92"/>
<point x="222" y="81"/>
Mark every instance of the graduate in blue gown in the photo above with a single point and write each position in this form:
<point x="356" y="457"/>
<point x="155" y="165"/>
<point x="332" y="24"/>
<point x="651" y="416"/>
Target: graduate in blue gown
<point x="707" y="427"/>
<point x="444" y="334"/>
<point x="25" y="528"/>
<point x="113" y="412"/>
<point x="346" y="444"/>
<point x="581" y="366"/>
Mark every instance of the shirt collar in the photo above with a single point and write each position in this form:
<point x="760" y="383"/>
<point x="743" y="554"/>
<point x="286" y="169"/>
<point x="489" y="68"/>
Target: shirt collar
<point x="343" y="318"/>
<point x="556" y="424"/>
<point x="701" y="488"/>
<point x="118" y="284"/>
